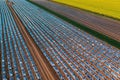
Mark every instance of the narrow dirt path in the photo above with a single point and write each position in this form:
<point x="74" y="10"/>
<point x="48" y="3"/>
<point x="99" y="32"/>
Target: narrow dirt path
<point x="44" y="67"/>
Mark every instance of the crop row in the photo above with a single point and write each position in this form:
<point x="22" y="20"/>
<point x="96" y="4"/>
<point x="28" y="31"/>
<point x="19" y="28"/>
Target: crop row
<point x="104" y="7"/>
<point x="17" y="62"/>
<point x="73" y="53"/>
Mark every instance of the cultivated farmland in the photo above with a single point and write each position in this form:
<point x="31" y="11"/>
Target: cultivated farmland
<point x="37" y="45"/>
<point x="106" y="7"/>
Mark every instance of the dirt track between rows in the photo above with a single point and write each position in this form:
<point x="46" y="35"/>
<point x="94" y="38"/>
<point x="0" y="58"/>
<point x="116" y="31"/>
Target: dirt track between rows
<point x="96" y="22"/>
<point x="44" y="67"/>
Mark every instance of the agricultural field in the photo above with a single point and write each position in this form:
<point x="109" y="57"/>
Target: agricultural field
<point x="109" y="8"/>
<point x="37" y="45"/>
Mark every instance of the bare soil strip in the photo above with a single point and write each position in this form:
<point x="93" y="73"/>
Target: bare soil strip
<point x="95" y="22"/>
<point x="44" y="67"/>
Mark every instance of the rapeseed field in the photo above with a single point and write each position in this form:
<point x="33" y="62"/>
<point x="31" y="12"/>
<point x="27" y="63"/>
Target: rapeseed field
<point x="106" y="7"/>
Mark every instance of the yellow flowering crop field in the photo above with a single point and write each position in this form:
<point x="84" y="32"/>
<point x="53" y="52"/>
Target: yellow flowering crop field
<point x="106" y="7"/>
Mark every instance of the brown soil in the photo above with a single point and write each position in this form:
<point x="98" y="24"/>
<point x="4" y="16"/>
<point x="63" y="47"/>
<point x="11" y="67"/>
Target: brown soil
<point x="102" y="24"/>
<point x="44" y="67"/>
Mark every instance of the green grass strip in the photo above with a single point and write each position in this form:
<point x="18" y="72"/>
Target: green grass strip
<point x="82" y="27"/>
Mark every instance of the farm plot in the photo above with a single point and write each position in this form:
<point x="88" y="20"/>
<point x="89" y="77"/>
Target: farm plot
<point x="73" y="53"/>
<point x="109" y="8"/>
<point x="16" y="60"/>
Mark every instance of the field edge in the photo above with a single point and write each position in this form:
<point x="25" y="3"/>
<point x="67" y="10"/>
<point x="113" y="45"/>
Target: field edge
<point x="82" y="27"/>
<point x="115" y="18"/>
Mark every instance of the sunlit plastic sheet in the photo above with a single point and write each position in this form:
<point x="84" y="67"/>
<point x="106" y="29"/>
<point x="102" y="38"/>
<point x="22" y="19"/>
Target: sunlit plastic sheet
<point x="73" y="50"/>
<point x="16" y="58"/>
